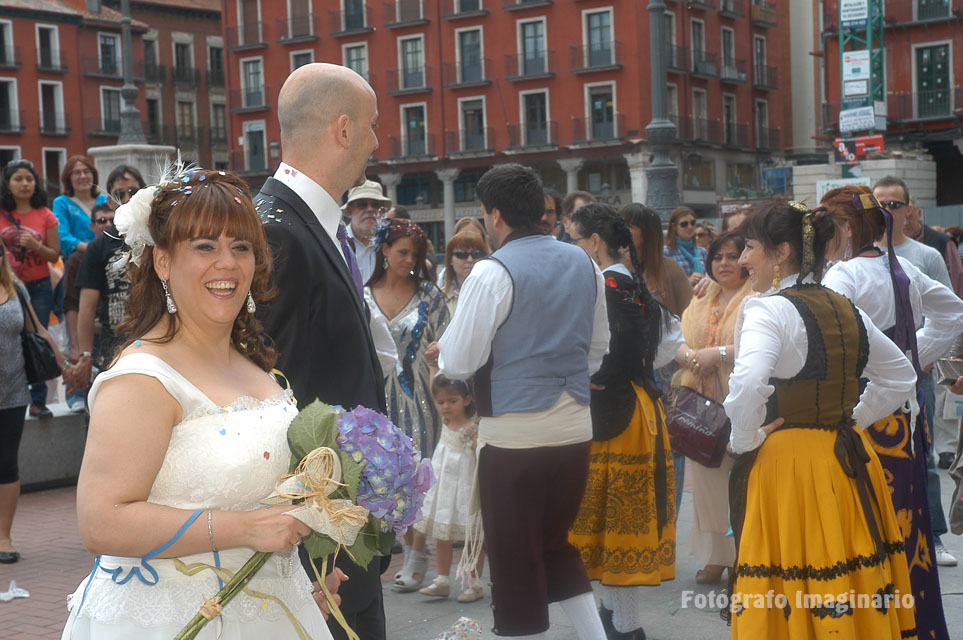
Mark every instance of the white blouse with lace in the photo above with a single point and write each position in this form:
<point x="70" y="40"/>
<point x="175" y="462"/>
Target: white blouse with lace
<point x="221" y="458"/>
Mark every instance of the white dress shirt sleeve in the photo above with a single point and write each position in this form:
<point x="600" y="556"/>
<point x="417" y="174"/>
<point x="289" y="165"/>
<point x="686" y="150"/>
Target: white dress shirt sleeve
<point x="943" y="311"/>
<point x="892" y="380"/>
<point x="600" y="326"/>
<point x="672" y="339"/>
<point x="484" y="302"/>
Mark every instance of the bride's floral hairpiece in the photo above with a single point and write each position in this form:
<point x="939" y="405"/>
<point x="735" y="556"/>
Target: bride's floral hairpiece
<point x="384" y="229"/>
<point x="132" y="218"/>
<point x="381" y="234"/>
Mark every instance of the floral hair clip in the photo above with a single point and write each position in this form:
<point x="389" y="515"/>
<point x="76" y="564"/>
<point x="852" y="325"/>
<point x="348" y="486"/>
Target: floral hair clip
<point x="381" y="234"/>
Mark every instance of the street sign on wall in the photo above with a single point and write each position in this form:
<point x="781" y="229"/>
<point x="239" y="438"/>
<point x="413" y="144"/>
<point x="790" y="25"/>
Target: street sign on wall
<point x="853" y="150"/>
<point x="860" y="119"/>
<point x="853" y="14"/>
<point x="856" y="65"/>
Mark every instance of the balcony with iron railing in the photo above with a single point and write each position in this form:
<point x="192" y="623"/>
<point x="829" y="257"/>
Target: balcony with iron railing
<point x="242" y="165"/>
<point x="767" y="138"/>
<point x="155" y="73"/>
<point x="186" y="135"/>
<point x="102" y="126"/>
<point x="456" y="9"/>
<point x="247" y="36"/>
<point x="529" y="65"/>
<point x="185" y="76"/>
<point x="538" y="136"/>
<point x="249" y="99"/>
<point x="10" y="57"/>
<point x="589" y="130"/>
<point x="412" y="148"/>
<point x="404" y="13"/>
<point x="765" y="77"/>
<point x="905" y="12"/>
<point x="467" y="73"/>
<point x="934" y="9"/>
<point x="355" y="18"/>
<point x="299" y="28"/>
<point x="218" y="136"/>
<point x="157" y="133"/>
<point x="515" y="5"/>
<point x="49" y="61"/>
<point x="703" y="5"/>
<point x="11" y="121"/>
<point x="677" y="58"/>
<point x="735" y="135"/>
<point x="215" y="77"/>
<point x="762" y="13"/>
<point x="469" y="141"/>
<point x="732" y="70"/>
<point x="697" y="130"/>
<point x="704" y="64"/>
<point x="54" y="123"/>
<point x="103" y="67"/>
<point x="410" y="80"/>
<point x="925" y="105"/>
<point x="732" y="8"/>
<point x="596" y="56"/>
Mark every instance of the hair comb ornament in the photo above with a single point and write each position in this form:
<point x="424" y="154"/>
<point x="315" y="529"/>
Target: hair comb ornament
<point x="808" y="262"/>
<point x="866" y="202"/>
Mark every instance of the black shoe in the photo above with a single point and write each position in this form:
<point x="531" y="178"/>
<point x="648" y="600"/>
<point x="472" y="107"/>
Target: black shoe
<point x="946" y="459"/>
<point x="611" y="633"/>
<point x="40" y="410"/>
<point x="9" y="557"/>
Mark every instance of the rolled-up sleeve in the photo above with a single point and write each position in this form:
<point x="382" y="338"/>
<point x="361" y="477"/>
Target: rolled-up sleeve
<point x="892" y="380"/>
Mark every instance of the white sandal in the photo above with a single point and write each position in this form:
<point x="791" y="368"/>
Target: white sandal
<point x="415" y="563"/>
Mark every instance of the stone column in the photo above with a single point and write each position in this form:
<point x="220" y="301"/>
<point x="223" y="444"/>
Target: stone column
<point x="391" y="182"/>
<point x="571" y="166"/>
<point x="447" y="177"/>
<point x="637" y="162"/>
<point x="662" y="175"/>
<point x="131" y="133"/>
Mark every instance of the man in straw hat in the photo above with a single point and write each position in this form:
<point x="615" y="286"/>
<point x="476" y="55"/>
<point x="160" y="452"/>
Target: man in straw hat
<point x="366" y="206"/>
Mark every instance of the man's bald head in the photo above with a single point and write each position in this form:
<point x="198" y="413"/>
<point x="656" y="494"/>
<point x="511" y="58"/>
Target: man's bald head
<point x="314" y="96"/>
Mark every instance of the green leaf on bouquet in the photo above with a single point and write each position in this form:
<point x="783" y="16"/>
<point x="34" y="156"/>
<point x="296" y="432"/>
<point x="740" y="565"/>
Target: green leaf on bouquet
<point x="351" y="476"/>
<point x="314" y="426"/>
<point x="319" y="546"/>
<point x="386" y="540"/>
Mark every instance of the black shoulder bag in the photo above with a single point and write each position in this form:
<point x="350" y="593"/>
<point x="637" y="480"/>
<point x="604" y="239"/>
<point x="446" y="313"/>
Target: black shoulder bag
<point x="39" y="360"/>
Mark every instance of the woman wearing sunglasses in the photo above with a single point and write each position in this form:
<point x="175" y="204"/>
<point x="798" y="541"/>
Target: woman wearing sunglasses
<point x="680" y="244"/>
<point x="464" y="250"/>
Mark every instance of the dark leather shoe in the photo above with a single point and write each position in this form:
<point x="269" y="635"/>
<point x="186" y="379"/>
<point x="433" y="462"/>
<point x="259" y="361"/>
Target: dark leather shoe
<point x="9" y="557"/>
<point x="946" y="459"/>
<point x="40" y="410"/>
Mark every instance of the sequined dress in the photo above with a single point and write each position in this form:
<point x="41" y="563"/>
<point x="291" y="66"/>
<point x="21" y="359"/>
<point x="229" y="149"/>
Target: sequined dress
<point x="408" y="388"/>
<point x="222" y="458"/>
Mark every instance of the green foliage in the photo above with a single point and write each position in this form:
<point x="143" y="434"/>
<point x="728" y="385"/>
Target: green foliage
<point x="315" y="426"/>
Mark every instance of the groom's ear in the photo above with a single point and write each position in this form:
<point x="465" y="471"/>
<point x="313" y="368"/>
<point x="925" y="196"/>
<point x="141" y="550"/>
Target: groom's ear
<point x="343" y="131"/>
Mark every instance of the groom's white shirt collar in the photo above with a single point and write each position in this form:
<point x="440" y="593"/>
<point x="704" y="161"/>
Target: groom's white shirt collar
<point x="322" y="205"/>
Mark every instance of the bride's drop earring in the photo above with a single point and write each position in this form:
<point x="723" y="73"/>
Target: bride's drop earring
<point x="251" y="307"/>
<point x="171" y="307"/>
<point x="386" y="262"/>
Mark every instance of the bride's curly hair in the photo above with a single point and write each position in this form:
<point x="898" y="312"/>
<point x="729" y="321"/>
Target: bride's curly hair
<point x="200" y="204"/>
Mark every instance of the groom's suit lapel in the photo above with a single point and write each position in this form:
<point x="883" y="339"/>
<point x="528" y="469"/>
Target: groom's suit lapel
<point x="299" y="208"/>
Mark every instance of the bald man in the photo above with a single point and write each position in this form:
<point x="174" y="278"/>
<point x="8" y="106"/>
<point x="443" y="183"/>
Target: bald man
<point x="319" y="321"/>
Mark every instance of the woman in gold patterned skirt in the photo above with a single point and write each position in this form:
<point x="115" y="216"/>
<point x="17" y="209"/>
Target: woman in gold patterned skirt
<point x="625" y="529"/>
<point x="819" y="550"/>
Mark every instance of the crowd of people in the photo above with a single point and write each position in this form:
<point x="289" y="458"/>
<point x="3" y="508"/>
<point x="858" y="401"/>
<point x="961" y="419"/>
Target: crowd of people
<point x="557" y="454"/>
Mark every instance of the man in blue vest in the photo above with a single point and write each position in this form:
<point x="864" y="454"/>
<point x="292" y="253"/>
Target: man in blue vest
<point x="532" y="393"/>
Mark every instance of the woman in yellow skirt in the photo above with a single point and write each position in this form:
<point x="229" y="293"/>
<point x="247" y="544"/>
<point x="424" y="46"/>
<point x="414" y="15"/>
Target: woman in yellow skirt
<point x="819" y="550"/>
<point x="625" y="529"/>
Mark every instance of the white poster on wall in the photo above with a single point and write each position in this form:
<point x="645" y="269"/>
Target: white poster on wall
<point x="853" y="14"/>
<point x="856" y="65"/>
<point x="825" y="186"/>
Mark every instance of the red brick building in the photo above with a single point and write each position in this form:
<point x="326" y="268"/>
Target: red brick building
<point x="560" y="85"/>
<point x="61" y="71"/>
<point x="923" y="40"/>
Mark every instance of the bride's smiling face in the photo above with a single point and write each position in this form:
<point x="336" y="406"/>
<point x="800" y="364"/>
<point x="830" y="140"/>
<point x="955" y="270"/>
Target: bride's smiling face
<point x="209" y="278"/>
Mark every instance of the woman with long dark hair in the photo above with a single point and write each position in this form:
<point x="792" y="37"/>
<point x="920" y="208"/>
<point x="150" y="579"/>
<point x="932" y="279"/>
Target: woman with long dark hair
<point x="625" y="528"/>
<point x="816" y="535"/>
<point x="663" y="275"/>
<point x="29" y="229"/>
<point x="680" y="244"/>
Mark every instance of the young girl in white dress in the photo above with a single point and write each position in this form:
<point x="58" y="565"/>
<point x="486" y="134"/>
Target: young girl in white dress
<point x="446" y="505"/>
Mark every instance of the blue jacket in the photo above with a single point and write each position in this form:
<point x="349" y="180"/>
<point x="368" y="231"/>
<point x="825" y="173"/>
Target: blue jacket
<point x="74" y="223"/>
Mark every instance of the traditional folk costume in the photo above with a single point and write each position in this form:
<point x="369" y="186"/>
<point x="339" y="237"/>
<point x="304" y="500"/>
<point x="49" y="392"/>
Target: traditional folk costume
<point x="625" y="528"/>
<point x="532" y="393"/>
<point x="704" y="325"/>
<point x="900" y="444"/>
<point x="817" y="538"/>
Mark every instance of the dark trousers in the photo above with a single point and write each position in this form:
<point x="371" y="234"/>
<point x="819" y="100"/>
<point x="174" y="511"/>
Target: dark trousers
<point x="42" y="301"/>
<point x="11" y="429"/>
<point x="362" y="601"/>
<point x="529" y="500"/>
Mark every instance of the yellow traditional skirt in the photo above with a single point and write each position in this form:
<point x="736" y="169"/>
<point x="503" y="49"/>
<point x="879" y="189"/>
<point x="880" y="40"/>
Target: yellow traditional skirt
<point x="616" y="529"/>
<point x="807" y="564"/>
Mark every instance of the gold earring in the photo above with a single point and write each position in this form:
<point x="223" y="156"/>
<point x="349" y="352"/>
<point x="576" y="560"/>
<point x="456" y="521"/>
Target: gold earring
<point x="775" y="279"/>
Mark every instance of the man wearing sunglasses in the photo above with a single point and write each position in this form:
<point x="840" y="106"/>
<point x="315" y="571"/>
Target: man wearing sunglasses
<point x="365" y="207"/>
<point x="101" y="284"/>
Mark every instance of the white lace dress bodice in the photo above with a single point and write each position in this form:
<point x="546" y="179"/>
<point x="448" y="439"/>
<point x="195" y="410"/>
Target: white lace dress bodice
<point x="220" y="458"/>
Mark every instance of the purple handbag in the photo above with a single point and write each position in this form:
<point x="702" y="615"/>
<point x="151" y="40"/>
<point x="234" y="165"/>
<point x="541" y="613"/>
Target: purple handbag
<point x="699" y="427"/>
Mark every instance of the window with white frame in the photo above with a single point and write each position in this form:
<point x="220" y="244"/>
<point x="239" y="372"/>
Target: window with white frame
<point x="9" y="106"/>
<point x="728" y="48"/>
<point x="414" y="134"/>
<point x="54" y="159"/>
<point x="215" y="65"/>
<point x="110" y="109"/>
<point x="729" y="126"/>
<point x="697" y="33"/>
<point x="353" y="15"/>
<point x="52" y="116"/>
<point x="407" y="10"/>
<point x="355" y="57"/>
<point x="48" y="47"/>
<point x="469" y="55"/>
<point x="8" y="154"/>
<point x="301" y="58"/>
<point x="597" y="30"/>
<point x="760" y="71"/>
<point x="218" y="123"/>
<point x="672" y="60"/>
<point x="472" y="124"/>
<point x="531" y="47"/>
<point x="254" y="146"/>
<point x="252" y="82"/>
<point x="7" y="49"/>
<point x="601" y="112"/>
<point x="108" y="53"/>
<point x="185" y="121"/>
<point x="535" y="118"/>
<point x="299" y="18"/>
<point x="411" y="54"/>
<point x="249" y="29"/>
<point x="700" y="114"/>
<point x="467" y="6"/>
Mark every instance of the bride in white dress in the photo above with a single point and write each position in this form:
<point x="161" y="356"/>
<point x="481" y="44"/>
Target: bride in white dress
<point x="188" y="432"/>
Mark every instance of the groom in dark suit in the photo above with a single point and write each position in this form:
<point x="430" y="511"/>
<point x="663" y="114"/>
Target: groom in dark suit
<point x="319" y="321"/>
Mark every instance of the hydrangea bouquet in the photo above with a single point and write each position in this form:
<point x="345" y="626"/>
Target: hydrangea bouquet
<point x="362" y="483"/>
